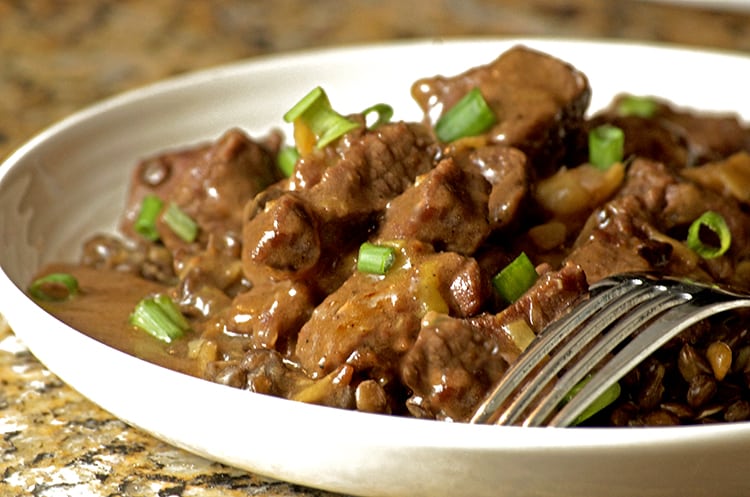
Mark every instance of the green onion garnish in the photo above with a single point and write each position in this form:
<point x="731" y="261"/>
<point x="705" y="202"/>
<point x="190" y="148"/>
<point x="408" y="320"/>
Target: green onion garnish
<point x="287" y="159"/>
<point x="632" y="105"/>
<point x="714" y="222"/>
<point x="160" y="317"/>
<point x="606" y="145"/>
<point x="54" y="287"/>
<point x="315" y="111"/>
<point x="384" y="114"/>
<point x="606" y="398"/>
<point x="145" y="223"/>
<point x="515" y="278"/>
<point x="375" y="259"/>
<point x="179" y="222"/>
<point x="470" y="116"/>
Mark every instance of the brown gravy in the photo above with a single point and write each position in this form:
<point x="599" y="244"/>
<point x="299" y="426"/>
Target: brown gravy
<point x="101" y="311"/>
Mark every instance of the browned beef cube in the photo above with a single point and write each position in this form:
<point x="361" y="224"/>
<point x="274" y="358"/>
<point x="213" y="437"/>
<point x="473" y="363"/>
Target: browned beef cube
<point x="506" y="169"/>
<point x="447" y="208"/>
<point x="644" y="228"/>
<point x="539" y="102"/>
<point x="303" y="233"/>
<point x="455" y="362"/>
<point x="675" y="136"/>
<point x="372" y="320"/>
<point x="209" y="182"/>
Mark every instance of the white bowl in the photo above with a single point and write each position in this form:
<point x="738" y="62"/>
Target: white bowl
<point x="70" y="181"/>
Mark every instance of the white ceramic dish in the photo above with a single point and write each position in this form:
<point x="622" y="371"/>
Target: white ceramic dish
<point x="70" y="181"/>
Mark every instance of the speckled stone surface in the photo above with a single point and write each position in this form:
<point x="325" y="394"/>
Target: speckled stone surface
<point x="57" y="57"/>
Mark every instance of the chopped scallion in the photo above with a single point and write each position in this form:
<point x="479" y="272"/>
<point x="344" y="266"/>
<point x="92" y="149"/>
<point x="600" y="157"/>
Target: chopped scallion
<point x="470" y="116"/>
<point x="632" y="105"/>
<point x="145" y="223"/>
<point x="714" y="222"/>
<point x="181" y="223"/>
<point x="515" y="278"/>
<point x="316" y="96"/>
<point x="160" y="317"/>
<point x="606" y="145"/>
<point x="287" y="159"/>
<point x="606" y="398"/>
<point x="54" y="287"/>
<point x="384" y="114"/>
<point x="375" y="259"/>
<point x="315" y="112"/>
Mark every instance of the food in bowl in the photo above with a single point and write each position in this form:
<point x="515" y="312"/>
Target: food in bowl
<point x="400" y="267"/>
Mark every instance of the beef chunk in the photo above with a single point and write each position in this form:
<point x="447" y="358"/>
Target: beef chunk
<point x="616" y="240"/>
<point x="644" y="228"/>
<point x="447" y="208"/>
<point x="208" y="182"/>
<point x="455" y="362"/>
<point x="294" y="243"/>
<point x="372" y="171"/>
<point x="548" y="298"/>
<point x="539" y="102"/>
<point x="300" y="234"/>
<point x="677" y="137"/>
<point x="372" y="320"/>
<point x="267" y="316"/>
<point x="710" y="137"/>
<point x="506" y="169"/>
<point x="451" y="367"/>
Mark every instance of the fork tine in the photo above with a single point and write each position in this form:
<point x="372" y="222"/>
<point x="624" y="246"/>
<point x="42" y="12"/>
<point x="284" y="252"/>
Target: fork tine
<point x="619" y="292"/>
<point x="659" y="332"/>
<point x="638" y="303"/>
<point x="583" y="366"/>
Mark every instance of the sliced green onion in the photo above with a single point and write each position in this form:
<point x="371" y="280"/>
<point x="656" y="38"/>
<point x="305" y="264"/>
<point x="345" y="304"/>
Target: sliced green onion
<point x="375" y="259"/>
<point x="145" y="223"/>
<point x="287" y="159"/>
<point x="315" y="111"/>
<point x="316" y="96"/>
<point x="181" y="223"/>
<point x="606" y="398"/>
<point x="470" y="116"/>
<point x="606" y="145"/>
<point x="160" y="317"/>
<point x="515" y="278"/>
<point x="384" y="114"/>
<point x="632" y="105"/>
<point x="54" y="287"/>
<point x="716" y="224"/>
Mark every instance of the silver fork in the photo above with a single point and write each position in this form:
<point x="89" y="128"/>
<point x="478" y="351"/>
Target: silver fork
<point x="650" y="310"/>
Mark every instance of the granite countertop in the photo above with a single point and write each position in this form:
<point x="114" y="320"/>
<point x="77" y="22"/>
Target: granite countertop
<point x="57" y="57"/>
